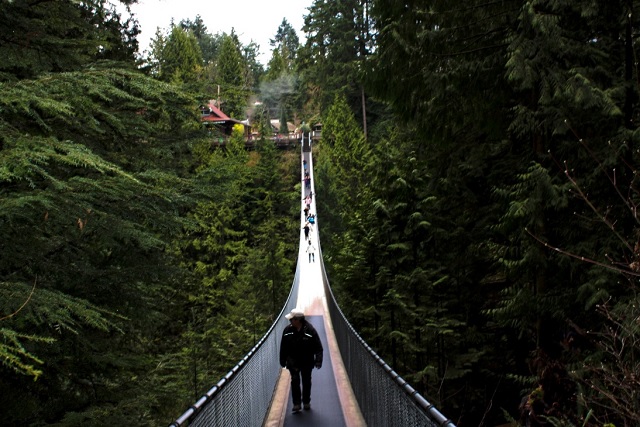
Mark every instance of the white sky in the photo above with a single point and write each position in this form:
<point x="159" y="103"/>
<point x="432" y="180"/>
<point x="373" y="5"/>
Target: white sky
<point x="256" y="20"/>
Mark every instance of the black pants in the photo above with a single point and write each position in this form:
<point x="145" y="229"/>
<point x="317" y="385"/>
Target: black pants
<point x="305" y="375"/>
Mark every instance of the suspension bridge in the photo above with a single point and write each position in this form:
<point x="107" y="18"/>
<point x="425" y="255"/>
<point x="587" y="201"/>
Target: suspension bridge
<point x="354" y="387"/>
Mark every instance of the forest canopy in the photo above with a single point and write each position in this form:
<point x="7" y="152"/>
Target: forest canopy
<point x="476" y="180"/>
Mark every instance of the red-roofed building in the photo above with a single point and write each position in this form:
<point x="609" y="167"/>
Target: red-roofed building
<point x="213" y="116"/>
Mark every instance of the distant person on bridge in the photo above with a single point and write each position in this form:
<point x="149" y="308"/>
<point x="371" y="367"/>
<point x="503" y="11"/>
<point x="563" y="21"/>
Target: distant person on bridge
<point x="300" y="351"/>
<point x="307" y="229"/>
<point x="311" y="251"/>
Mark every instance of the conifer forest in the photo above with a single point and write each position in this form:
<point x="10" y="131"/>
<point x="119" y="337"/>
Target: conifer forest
<point x="477" y="180"/>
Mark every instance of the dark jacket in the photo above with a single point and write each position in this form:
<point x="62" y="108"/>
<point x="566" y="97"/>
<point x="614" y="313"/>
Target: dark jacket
<point x="300" y="349"/>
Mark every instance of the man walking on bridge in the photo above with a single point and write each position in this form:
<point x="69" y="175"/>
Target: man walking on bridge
<point x="300" y="351"/>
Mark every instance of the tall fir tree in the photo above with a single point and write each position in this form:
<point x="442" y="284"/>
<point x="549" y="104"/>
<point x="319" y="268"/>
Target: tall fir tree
<point x="231" y="77"/>
<point x="181" y="58"/>
<point x="339" y="39"/>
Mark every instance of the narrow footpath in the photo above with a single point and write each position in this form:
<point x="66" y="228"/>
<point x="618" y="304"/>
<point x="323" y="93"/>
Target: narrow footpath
<point x="332" y="401"/>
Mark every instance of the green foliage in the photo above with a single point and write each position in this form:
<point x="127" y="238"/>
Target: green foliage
<point x="280" y="87"/>
<point x="181" y="58"/>
<point x="209" y="44"/>
<point x="510" y="125"/>
<point x="254" y="70"/>
<point x="131" y="251"/>
<point x="286" y="43"/>
<point x="339" y="38"/>
<point x="100" y="181"/>
<point x="210" y="65"/>
<point x="61" y="36"/>
<point x="90" y="191"/>
<point x="137" y="263"/>
<point x="94" y="222"/>
<point x="16" y="357"/>
<point x="389" y="252"/>
<point x="230" y="75"/>
<point x="239" y="267"/>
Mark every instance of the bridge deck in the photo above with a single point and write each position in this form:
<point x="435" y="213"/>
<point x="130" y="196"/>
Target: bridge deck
<point x="332" y="400"/>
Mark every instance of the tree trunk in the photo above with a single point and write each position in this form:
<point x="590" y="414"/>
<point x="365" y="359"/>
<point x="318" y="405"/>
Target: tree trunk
<point x="364" y="113"/>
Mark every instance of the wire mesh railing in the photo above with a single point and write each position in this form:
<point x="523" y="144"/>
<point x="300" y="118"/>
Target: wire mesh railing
<point x="243" y="396"/>
<point x="385" y="399"/>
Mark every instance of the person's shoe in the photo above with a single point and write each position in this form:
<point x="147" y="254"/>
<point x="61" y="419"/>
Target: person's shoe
<point x="307" y="406"/>
<point x="296" y="409"/>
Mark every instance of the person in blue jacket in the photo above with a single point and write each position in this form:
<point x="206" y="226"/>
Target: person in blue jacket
<point x="300" y="351"/>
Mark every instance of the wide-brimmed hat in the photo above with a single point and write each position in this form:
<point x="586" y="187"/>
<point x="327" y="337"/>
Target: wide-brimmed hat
<point x="296" y="312"/>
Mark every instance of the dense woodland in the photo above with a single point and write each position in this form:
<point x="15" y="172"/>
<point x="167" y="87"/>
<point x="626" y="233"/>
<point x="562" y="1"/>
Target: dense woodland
<point x="476" y="182"/>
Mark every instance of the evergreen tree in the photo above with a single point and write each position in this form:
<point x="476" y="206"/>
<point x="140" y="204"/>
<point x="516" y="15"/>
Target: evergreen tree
<point x="287" y="42"/>
<point x="230" y="76"/>
<point x="279" y="88"/>
<point x="338" y="42"/>
<point x="547" y="115"/>
<point x="209" y="43"/>
<point x="253" y="70"/>
<point x="276" y="67"/>
<point x="181" y="60"/>
<point x="395" y="255"/>
<point x="91" y="176"/>
<point x="239" y="266"/>
<point x="82" y="171"/>
<point x="152" y="61"/>
<point x="442" y="67"/>
<point x="123" y="253"/>
<point x="61" y="36"/>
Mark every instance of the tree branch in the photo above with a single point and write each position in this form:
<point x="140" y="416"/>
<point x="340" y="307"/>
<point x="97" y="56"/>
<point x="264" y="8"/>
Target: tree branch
<point x="23" y="305"/>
